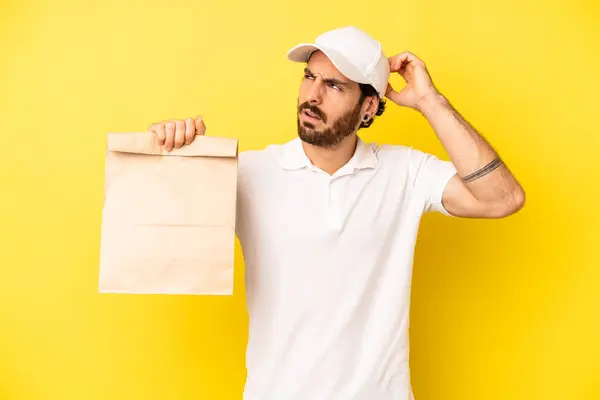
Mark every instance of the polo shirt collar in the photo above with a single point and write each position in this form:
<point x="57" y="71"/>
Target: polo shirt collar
<point x="293" y="157"/>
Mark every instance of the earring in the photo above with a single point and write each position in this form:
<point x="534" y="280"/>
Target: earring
<point x="365" y="117"/>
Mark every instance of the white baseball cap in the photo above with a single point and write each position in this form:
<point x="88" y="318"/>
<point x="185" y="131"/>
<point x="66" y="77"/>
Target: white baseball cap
<point x="354" y="53"/>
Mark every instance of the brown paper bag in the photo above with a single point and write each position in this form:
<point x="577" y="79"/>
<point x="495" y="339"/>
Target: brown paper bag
<point x="168" y="220"/>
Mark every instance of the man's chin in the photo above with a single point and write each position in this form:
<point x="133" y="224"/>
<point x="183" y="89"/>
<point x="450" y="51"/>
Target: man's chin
<point x="308" y="135"/>
<point x="308" y="132"/>
<point x="314" y="138"/>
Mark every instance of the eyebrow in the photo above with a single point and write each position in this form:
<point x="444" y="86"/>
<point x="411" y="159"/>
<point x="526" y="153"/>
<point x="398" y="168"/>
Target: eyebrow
<point x="329" y="80"/>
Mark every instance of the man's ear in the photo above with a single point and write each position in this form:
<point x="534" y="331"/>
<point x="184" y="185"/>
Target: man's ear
<point x="373" y="105"/>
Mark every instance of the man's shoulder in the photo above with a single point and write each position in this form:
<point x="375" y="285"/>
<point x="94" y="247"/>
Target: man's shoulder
<point x="398" y="153"/>
<point x="270" y="156"/>
<point x="260" y="162"/>
<point x="250" y="157"/>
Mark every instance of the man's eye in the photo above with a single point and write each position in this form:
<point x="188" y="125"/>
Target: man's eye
<point x="308" y="76"/>
<point x="334" y="86"/>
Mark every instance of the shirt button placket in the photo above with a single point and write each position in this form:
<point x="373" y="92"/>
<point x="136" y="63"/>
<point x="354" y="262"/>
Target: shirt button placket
<point x="334" y="210"/>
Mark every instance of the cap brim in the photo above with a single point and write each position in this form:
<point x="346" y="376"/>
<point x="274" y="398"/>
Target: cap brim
<point x="303" y="51"/>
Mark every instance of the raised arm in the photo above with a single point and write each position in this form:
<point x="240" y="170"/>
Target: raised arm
<point x="483" y="187"/>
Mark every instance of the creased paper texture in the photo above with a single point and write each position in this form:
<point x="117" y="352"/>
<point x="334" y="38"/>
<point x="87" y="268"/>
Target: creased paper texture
<point x="168" y="220"/>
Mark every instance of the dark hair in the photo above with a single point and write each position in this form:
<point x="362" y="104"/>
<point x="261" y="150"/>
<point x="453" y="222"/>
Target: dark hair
<point x="367" y="90"/>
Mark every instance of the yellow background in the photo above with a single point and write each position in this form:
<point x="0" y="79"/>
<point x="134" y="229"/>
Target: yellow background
<point x="505" y="309"/>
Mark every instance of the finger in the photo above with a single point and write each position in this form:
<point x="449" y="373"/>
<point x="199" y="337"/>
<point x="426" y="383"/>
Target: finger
<point x="159" y="131"/>
<point x="190" y="130"/>
<point x="200" y="127"/>
<point x="398" y="61"/>
<point x="170" y="135"/>
<point x="179" y="133"/>
<point x="407" y="56"/>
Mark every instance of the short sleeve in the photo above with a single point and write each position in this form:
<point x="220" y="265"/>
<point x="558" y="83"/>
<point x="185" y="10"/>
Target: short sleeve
<point x="433" y="175"/>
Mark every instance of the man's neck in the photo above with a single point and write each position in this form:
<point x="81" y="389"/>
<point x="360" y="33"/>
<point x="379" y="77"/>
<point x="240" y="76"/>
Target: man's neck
<point x="332" y="159"/>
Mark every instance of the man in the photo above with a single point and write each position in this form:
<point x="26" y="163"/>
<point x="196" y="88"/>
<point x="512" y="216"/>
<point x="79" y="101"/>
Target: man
<point x="328" y="223"/>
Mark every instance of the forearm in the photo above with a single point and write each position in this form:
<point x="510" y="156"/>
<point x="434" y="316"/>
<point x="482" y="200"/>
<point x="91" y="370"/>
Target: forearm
<point x="477" y="163"/>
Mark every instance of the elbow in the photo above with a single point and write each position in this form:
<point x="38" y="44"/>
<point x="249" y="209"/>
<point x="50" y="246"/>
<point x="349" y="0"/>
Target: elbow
<point x="520" y="199"/>
<point x="513" y="204"/>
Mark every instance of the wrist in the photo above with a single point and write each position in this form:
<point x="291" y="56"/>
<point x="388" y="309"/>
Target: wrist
<point x="430" y="102"/>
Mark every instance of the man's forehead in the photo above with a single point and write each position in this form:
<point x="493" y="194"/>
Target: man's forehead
<point x="320" y="64"/>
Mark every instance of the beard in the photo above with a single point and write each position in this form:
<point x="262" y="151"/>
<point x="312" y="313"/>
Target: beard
<point x="331" y="135"/>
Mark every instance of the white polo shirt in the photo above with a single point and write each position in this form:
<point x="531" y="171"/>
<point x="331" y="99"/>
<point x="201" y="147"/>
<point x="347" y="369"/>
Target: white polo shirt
<point x="328" y="269"/>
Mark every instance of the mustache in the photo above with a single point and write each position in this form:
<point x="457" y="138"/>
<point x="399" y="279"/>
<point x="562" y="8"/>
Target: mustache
<point x="313" y="109"/>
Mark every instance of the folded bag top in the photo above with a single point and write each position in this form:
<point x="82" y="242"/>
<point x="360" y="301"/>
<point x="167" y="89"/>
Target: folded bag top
<point x="146" y="143"/>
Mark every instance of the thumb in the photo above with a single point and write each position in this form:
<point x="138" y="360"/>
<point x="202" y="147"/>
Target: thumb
<point x="401" y="98"/>
<point x="200" y="126"/>
<point x="391" y="94"/>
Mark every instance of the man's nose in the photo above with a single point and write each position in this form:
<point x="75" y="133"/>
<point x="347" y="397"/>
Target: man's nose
<point x="315" y="92"/>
